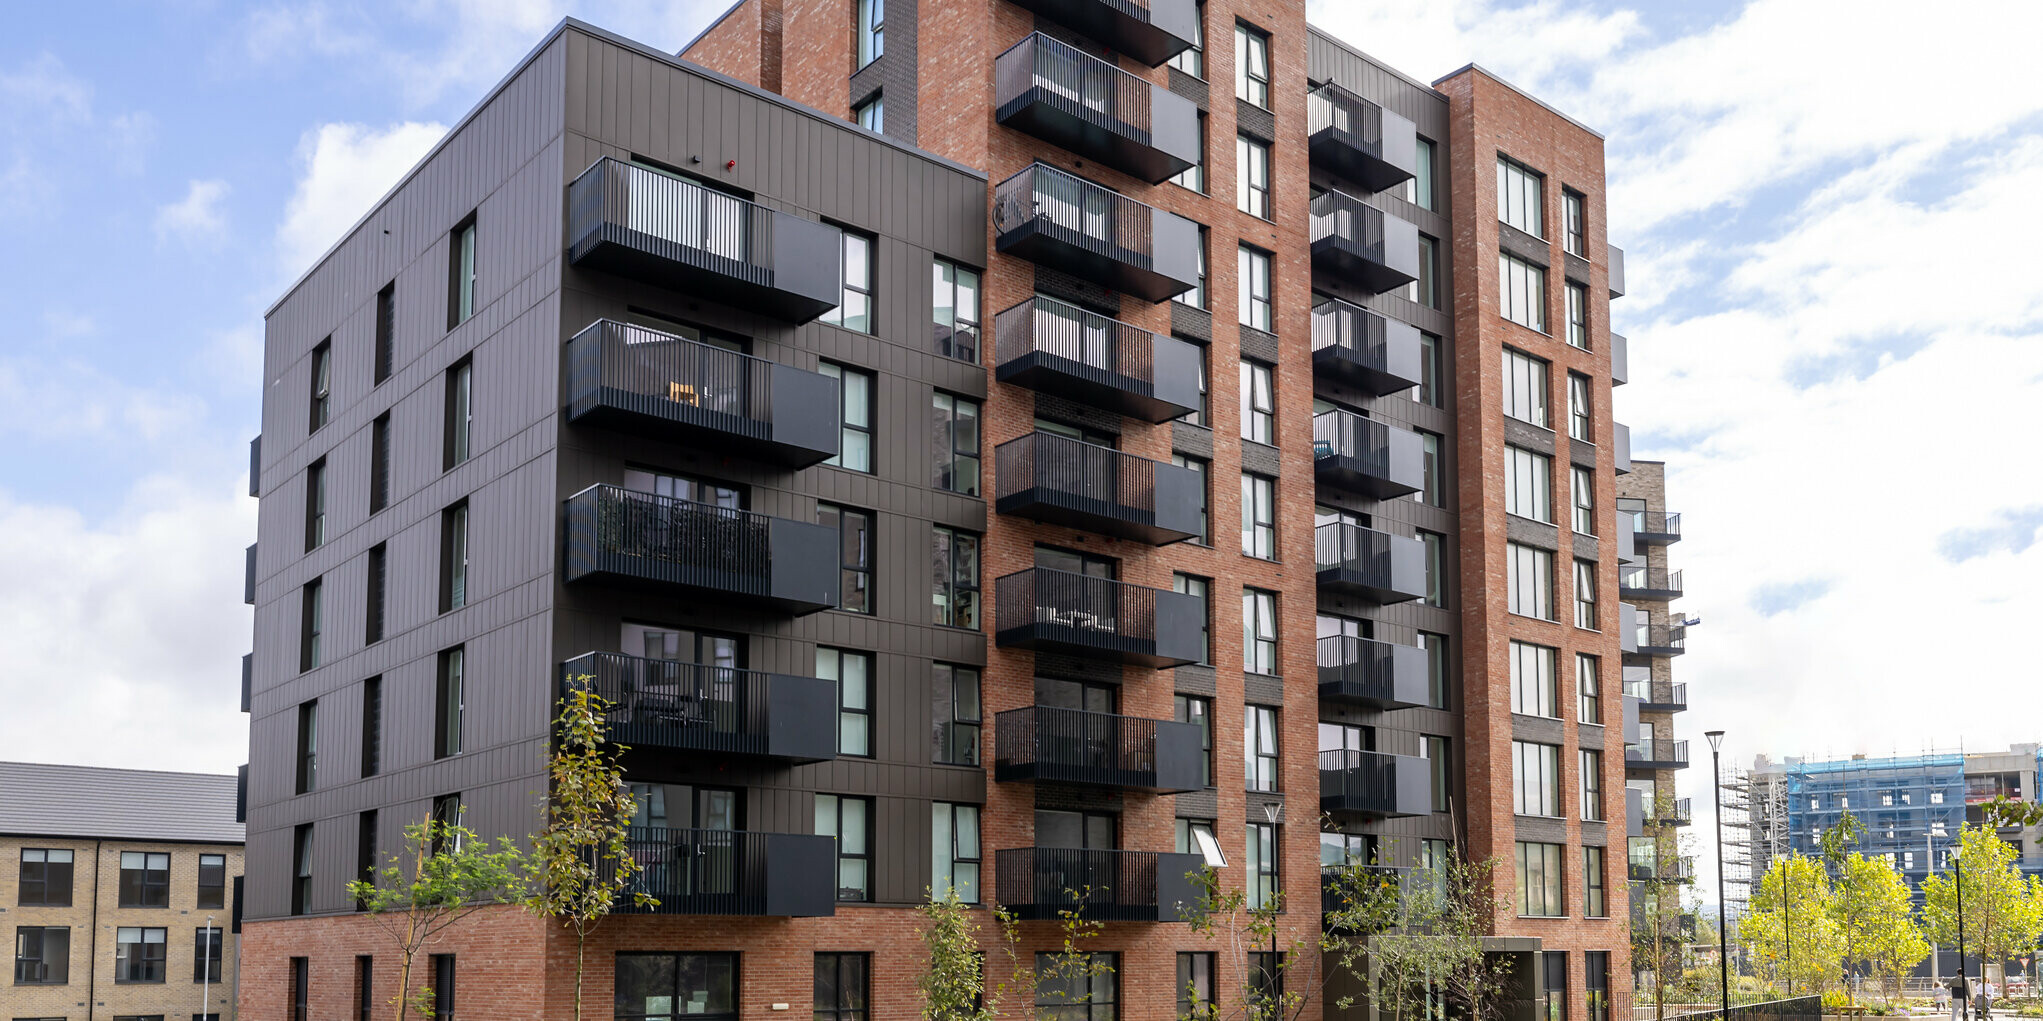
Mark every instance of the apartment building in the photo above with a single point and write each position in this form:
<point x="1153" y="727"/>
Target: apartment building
<point x="873" y="421"/>
<point x="120" y="889"/>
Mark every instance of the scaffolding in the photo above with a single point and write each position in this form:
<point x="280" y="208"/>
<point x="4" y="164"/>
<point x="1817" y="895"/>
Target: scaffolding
<point x="1912" y="809"/>
<point x="1737" y="840"/>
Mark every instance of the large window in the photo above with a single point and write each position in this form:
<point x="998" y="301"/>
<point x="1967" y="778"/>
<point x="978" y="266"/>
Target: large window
<point x="1539" y="879"/>
<point x="45" y="877"/>
<point x="42" y="955"/>
<point x="1195" y="985"/>
<point x="145" y="879"/>
<point x="853" y="673"/>
<point x="1528" y="484"/>
<point x="1581" y="422"/>
<point x="322" y="385"/>
<point x="954" y="848"/>
<point x="1518" y="197"/>
<point x="955" y="464"/>
<point x="1585" y="595"/>
<point x="457" y="431"/>
<point x="1532" y="681"/>
<point x="1536" y="776"/>
<point x="954" y="563"/>
<point x="854" y="309"/>
<point x="1081" y="988"/>
<point x="308" y="747"/>
<point x="1259" y="742"/>
<point x="954" y="309"/>
<point x="843" y="990"/>
<point x="957" y="714"/>
<point x="454" y="557"/>
<point x="1588" y="690"/>
<point x="854" y="530"/>
<point x="1251" y="176"/>
<point x="206" y="942"/>
<point x="872" y="30"/>
<point x="1592" y="883"/>
<point x="1574" y="223"/>
<point x="1253" y="286"/>
<point x="1200" y="589"/>
<point x="1578" y="315"/>
<point x="1524" y="291"/>
<point x="1258" y="516"/>
<point x="1258" y="631"/>
<point x="1251" y="66"/>
<point x="138" y="954"/>
<point x="1262" y="874"/>
<point x="848" y="820"/>
<point x="449" y="702"/>
<point x="315" y="504"/>
<point x="1531" y="580"/>
<point x="1592" y="784"/>
<point x="461" y="259"/>
<point x="1258" y="402"/>
<point x="1196" y="710"/>
<point x="650" y="986"/>
<point x="855" y="404"/>
<point x="1525" y="388"/>
<point x="1582" y="492"/>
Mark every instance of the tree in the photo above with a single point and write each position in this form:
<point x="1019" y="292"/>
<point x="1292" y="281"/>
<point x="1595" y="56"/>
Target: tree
<point x="1659" y="923"/>
<point x="2003" y="909"/>
<point x="444" y="874"/>
<point x="581" y="862"/>
<point x="954" y="985"/>
<point x="1875" y="917"/>
<point x="1807" y="952"/>
<point x="1439" y="945"/>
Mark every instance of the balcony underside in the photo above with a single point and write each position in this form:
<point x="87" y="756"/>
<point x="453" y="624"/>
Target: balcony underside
<point x="1096" y="135"/>
<point x="1384" y="677"/>
<point x="1072" y="379"/>
<point x="1370" y="583"/>
<point x="617" y="248"/>
<point x="1354" y="262"/>
<point x="1075" y="635"/>
<point x="1345" y="364"/>
<point x="671" y="421"/>
<point x="1348" y="155"/>
<point x="1043" y="242"/>
<point x="1363" y="475"/>
<point x="1148" y="32"/>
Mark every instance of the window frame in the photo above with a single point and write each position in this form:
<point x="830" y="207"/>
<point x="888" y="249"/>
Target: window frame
<point x="315" y="505"/>
<point x="1536" y="779"/>
<point x="1197" y="710"/>
<point x="853" y="576"/>
<point x="1184" y="584"/>
<point x="1438" y="668"/>
<point x="1582" y="494"/>
<point x="860" y="1006"/>
<point x="375" y="593"/>
<point x="1083" y="1004"/>
<point x="208" y="945"/>
<point x="1588" y="689"/>
<point x="871" y="114"/>
<point x="379" y="463"/>
<point x="1526" y="379"/>
<point x="861" y="856"/>
<point x="1551" y="892"/>
<point x="153" y="967"/>
<point x="1196" y="64"/>
<point x="1199" y="466"/>
<point x="1581" y="412"/>
<point x="945" y="611"/>
<point x="1262" y="865"/>
<point x="320" y="396"/>
<point x="1432" y="371"/>
<point x="386" y="334"/>
<point x="1259" y="632"/>
<point x="307" y="759"/>
<point x="847" y="376"/>
<point x="450" y="683"/>
<point x="951" y="676"/>
<point x="951" y="275"/>
<point x="1534" y="695"/>
<point x="1594" y="861"/>
<point x="1585" y="595"/>
<point x="849" y="712"/>
<point x="1251" y="50"/>
<point x="871" y="31"/>
<point x="454" y="547"/>
<point x="1574" y="223"/>
<point x="312" y="611"/>
<point x="1521" y="291"/>
<point x="1252" y="176"/>
<point x="1522" y="190"/>
<point x="1575" y="307"/>
<point x="464" y="259"/>
<point x="53" y="965"/>
<point x="1197" y="296"/>
<point x="864" y="287"/>
<point x="1256" y="308"/>
<point x="1262" y="749"/>
<point x="1258" y="516"/>
<point x="458" y="427"/>
<point x="1258" y="402"/>
<point x="301" y="869"/>
<point x="947" y="466"/>
<point x="973" y="890"/>
<point x="1519" y="560"/>
<point x="1194" y="983"/>
<point x="1589" y="762"/>
<point x="150" y="887"/>
<point x="1434" y="546"/>
<point x="45" y="881"/>
<point x="1528" y="484"/>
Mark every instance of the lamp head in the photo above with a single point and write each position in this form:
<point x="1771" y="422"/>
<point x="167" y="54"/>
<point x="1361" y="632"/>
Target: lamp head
<point x="1716" y="739"/>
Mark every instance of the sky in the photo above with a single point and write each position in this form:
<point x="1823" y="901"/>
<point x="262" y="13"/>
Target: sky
<point x="1828" y="212"/>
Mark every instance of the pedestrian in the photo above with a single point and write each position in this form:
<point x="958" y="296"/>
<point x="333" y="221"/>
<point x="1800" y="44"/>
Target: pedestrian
<point x="1957" y="996"/>
<point x="1986" y="991"/>
<point x="1942" y="996"/>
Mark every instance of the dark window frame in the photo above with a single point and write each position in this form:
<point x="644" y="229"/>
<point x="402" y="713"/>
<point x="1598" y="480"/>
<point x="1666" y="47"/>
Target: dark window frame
<point x="1203" y="468"/>
<point x="365" y="851"/>
<point x="457" y="430"/>
<point x="386" y="333"/>
<point x="949" y="465"/>
<point x="44" y="881"/>
<point x="315" y="505"/>
<point x="208" y="943"/>
<point x="1194" y="983"/>
<point x="961" y="325"/>
<point x="846" y="376"/>
<point x="375" y="593"/>
<point x="1183" y="583"/>
<point x="846" y="970"/>
<point x="947" y="680"/>
<point x="147" y="967"/>
<point x="1266" y="880"/>
<point x="449" y="701"/>
<point x="379" y="463"/>
<point x="461" y="281"/>
<point x="455" y="524"/>
<point x="866" y="289"/>
<point x="320" y="387"/>
<point x="862" y="854"/>
<point x="1083" y="1004"/>
<point x="51" y="966"/>
<point x="972" y="891"/>
<point x="846" y="710"/>
<point x="443" y="987"/>
<point x="1264" y="757"/>
<point x="1198" y="709"/>
<point x="957" y="586"/>
<point x="372" y="726"/>
<point x="311" y="609"/>
<point x="149" y="886"/>
<point x="306" y="779"/>
<point x="855" y="572"/>
<point x="729" y="961"/>
<point x="365" y="987"/>
<point x="301" y="869"/>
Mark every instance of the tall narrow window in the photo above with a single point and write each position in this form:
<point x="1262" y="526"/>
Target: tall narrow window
<point x="1585" y="595"/>
<point x="1262" y="864"/>
<point x="1258" y="516"/>
<point x="1196" y="710"/>
<point x="1575" y="223"/>
<point x="461" y="273"/>
<point x="447" y="705"/>
<point x="955" y="310"/>
<point x="1554" y="984"/>
<point x="386" y="331"/>
<point x="1530" y="581"/>
<point x="379" y="463"/>
<point x="322" y="384"/>
<point x="1592" y="784"/>
<point x="315" y="505"/>
<point x="374" y="590"/>
<point x="301" y="869"/>
<point x="854" y="530"/>
<point x="443" y="987"/>
<point x="1200" y="589"/>
<point x="1194" y="176"/>
<point x="1259" y="741"/>
<point x="1539" y="879"/>
<point x="1582" y="491"/>
<point x="1596" y="983"/>
<point x="1525" y="388"/>
<point x="372" y="726"/>
<point x="853" y="673"/>
<point x="846" y="819"/>
<point x="1195" y="985"/>
<point x="1436" y="668"/>
<point x="957" y="714"/>
<point x="1253" y="285"/>
<point x="308" y="747"/>
<point x="871" y="114"/>
<point x="841" y="985"/>
<point x="1258" y="631"/>
<point x="1258" y="402"/>
<point x="454" y="557"/>
<point x="1251" y="176"/>
<point x="1439" y="769"/>
<point x="1251" y="66"/>
<point x="872" y="30"/>
<point x="460" y="407"/>
<point x="310" y="621"/>
<point x="206" y="942"/>
<point x="1518" y="197"/>
<point x="1198" y="467"/>
<point x="1432" y="488"/>
<point x="1528" y="484"/>
<point x="1426" y="289"/>
<point x="1578" y="316"/>
<point x="1536" y="770"/>
<point x="447" y="813"/>
<point x="1588" y="690"/>
<point x="1524" y="291"/>
<point x="954" y="848"/>
<point x="854" y="309"/>
<point x="1580" y="419"/>
<point x="1429" y="391"/>
<point x="1435" y="547"/>
<point x="1419" y="190"/>
<point x="954" y="562"/>
<point x="855" y="404"/>
<point x="1196" y="297"/>
<point x="1592" y="883"/>
<point x="300" y="992"/>
<point x="365" y="851"/>
<point x="365" y="988"/>
<point x="1532" y="681"/>
<point x="955" y="465"/>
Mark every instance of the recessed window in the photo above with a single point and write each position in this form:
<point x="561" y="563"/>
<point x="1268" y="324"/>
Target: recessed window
<point x="454" y="557"/>
<point x="1536" y="775"/>
<point x="365" y="854"/>
<point x="1592" y="784"/>
<point x="1588" y="689"/>
<point x="855" y="405"/>
<point x="1437" y="681"/>
<point x="1554" y="987"/>
<point x="854" y="530"/>
<point x="301" y="869"/>
<point x="1582" y="491"/>
<point x="1261" y="864"/>
<point x="308" y="747"/>
<point x="1081" y="987"/>
<point x="954" y="562"/>
<point x="461" y="273"/>
<point x="853" y="673"/>
<point x="1194" y="176"/>
<point x="372" y="726"/>
<point x="1195" y="983"/>
<point x="1531" y="580"/>
<point x="386" y="331"/>
<point x="1198" y="467"/>
<point x="1196" y="297"/>
<point x="315" y="505"/>
<point x="1251" y="66"/>
<point x="956" y="461"/>
<point x="206" y="942"/>
<point x="1258" y="403"/>
<point x="1539" y="879"/>
<point x="1525" y="388"/>
<point x="854" y="309"/>
<point x="1192" y="60"/>
<point x="1430" y="391"/>
<point x="1426" y="289"/>
<point x="1253" y="284"/>
<point x="1528" y="484"/>
<point x="139" y="954"/>
<point x="374" y="589"/>
<point x="1199" y="711"/>
<point x="954" y="310"/>
<point x="1523" y="297"/>
<point x="848" y="820"/>
<point x="1251" y="176"/>
<point x="1578" y="316"/>
<point x="1435" y="547"/>
<point x="1585" y="595"/>
<point x="1258" y="516"/>
<point x="448" y="703"/>
<point x="460" y="407"/>
<point x="1533" y="691"/>
<point x="379" y="463"/>
<point x="1592" y="895"/>
<point x="1518" y="197"/>
<point x="1575" y="223"/>
<point x="871" y="114"/>
<point x="842" y="987"/>
<point x="1259" y="740"/>
<point x="1580" y="420"/>
<point x="310" y="622"/>
<point x="954" y="848"/>
<point x="1432" y="488"/>
<point x="706" y="983"/>
<point x="1419" y="190"/>
<point x="958" y="715"/>
<point x="322" y="384"/>
<point x="872" y="30"/>
<point x="443" y="987"/>
<point x="42" y="955"/>
<point x="1439" y="768"/>
<point x="1196" y="836"/>
<point x="45" y="877"/>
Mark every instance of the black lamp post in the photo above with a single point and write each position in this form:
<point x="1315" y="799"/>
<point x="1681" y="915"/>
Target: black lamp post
<point x="1723" y="946"/>
<point x="1964" y="980"/>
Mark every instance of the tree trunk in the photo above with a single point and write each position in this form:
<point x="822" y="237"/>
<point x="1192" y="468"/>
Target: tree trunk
<point x="404" y="988"/>
<point x="581" y="942"/>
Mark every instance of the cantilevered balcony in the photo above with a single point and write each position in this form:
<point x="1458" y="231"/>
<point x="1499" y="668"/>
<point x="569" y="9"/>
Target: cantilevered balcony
<point x="659" y="703"/>
<point x="732" y="872"/>
<point x="1648" y="585"/>
<point x="1621" y="447"/>
<point x="671" y="232"/>
<point x="1353" y="345"/>
<point x="619" y="536"/>
<point x="1656" y="870"/>
<point x="1078" y="102"/>
<point x="1362" y="561"/>
<point x="665" y="387"/>
<point x="1361" y="245"/>
<point x="1656" y="528"/>
<point x="1070" y="224"/>
<point x="1055" y="744"/>
<point x="1372" y="674"/>
<point x="1620" y="360"/>
<point x="1074" y="614"/>
<point x="1649" y="640"/>
<point x="1677" y="813"/>
<point x="1616" y="255"/>
<point x="1055" y="347"/>
<point x="1410" y="883"/>
<point x="1037" y="883"/>
<point x="1374" y="784"/>
<point x="1659" y="696"/>
<point x="1360" y="140"/>
<point x="1063" y="481"/>
<point x="1648" y="756"/>
<point x="1366" y="456"/>
<point x="1151" y="31"/>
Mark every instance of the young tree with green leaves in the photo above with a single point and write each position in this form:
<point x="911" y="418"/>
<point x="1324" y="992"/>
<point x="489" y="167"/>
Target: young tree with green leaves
<point x="581" y="862"/>
<point x="1807" y="930"/>
<point x="1438" y="945"/>
<point x="1875" y="918"/>
<point x="1658" y="940"/>
<point x="444" y="874"/>
<point x="954" y="985"/>
<point x="2003" y="909"/>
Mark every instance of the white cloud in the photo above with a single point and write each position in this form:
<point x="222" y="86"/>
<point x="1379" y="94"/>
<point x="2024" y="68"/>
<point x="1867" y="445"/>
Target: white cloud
<point x="346" y="168"/>
<point x="195" y="220"/>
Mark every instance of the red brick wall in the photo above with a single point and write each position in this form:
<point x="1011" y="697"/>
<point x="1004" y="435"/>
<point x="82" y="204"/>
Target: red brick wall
<point x="735" y="47"/>
<point x="817" y="55"/>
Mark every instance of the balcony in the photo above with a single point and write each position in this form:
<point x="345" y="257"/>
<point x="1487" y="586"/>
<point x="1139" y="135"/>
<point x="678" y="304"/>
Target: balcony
<point x="1366" y="456"/>
<point x="1360" y="140"/>
<point x="1374" y="784"/>
<point x="255" y="466"/>
<point x="1062" y="481"/>
<point x="1151" y="31"/>
<point x="1677" y="814"/>
<point x="1621" y="447"/>
<point x="615" y="535"/>
<point x="1659" y="696"/>
<point x="1645" y="584"/>
<point x="1627" y="543"/>
<point x="1059" y="745"/>
<point x="732" y="872"/>
<point x="1362" y="245"/>
<point x="1616" y="256"/>
<point x="1411" y="883"/>
<point x="1648" y="640"/>
<point x="1656" y="528"/>
<point x="1362" y="561"/>
<point x="661" y="229"/>
<point x="1670" y="870"/>
<point x="248" y="576"/>
<point x="1036" y="883"/>
<point x="658" y="703"/>
<point x="1080" y="103"/>
<point x="670" y="388"/>
<point x="1353" y="345"/>
<point x="1648" y="756"/>
<point x="1620" y="360"/>
<point x="1072" y="225"/>
<point x="1048" y="610"/>
<point x="1053" y="347"/>
<point x="1372" y="674"/>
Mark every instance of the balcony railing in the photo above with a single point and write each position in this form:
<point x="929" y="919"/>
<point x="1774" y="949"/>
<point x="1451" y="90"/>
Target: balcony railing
<point x="1377" y="675"/>
<point x="1052" y="743"/>
<point x="1656" y="528"/>
<point x="618" y="535"/>
<point x="1658" y="640"/>
<point x="1410" y="883"/>
<point x="1362" y="245"/>
<point x="1063" y="481"/>
<point x="1646" y="584"/>
<point x="1074" y="100"/>
<point x="671" y="388"/>
<point x="1073" y="225"/>
<point x="1363" y="561"/>
<point x="1056" y="347"/>
<point x="1374" y="783"/>
<point x="1359" y="140"/>
<point x="659" y="703"/>
<point x="1351" y="344"/>
<point x="1620" y="360"/>
<point x="1677" y="814"/>
<point x="1151" y="31"/>
<point x="1107" y="886"/>
<point x="1659" y="696"/>
<point x="673" y="232"/>
<point x="1665" y="870"/>
<point x="1059" y="611"/>
<point x="1366" y="456"/>
<point x="732" y="872"/>
<point x="1656" y="754"/>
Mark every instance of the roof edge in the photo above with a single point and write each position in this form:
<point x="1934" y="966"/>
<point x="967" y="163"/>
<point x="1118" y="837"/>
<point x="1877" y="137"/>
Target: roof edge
<point x="1357" y="51"/>
<point x="1505" y="82"/>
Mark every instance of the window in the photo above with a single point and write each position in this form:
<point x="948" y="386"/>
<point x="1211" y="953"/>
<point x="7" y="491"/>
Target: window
<point x="386" y="331"/>
<point x="1258" y="631"/>
<point x="365" y="851"/>
<point x="322" y="384"/>
<point x="1518" y="196"/>
<point x="1198" y="588"/>
<point x="1198" y="467"/>
<point x="365" y="988"/>
<point x="138" y="954"/>
<point x="461" y="273"/>
<point x="871" y="114"/>
<point x="1259" y="741"/>
<point x="1528" y="484"/>
<point x="1580" y="420"/>
<point x="855" y="403"/>
<point x="957" y="444"/>
<point x="1258" y="516"/>
<point x="1431" y="490"/>
<point x="841" y="986"/>
<point x="454" y="557"/>
<point x="449" y="702"/>
<point x="1262" y="864"/>
<point x="206" y="954"/>
<point x="1195" y="836"/>
<point x="447" y="812"/>
<point x="1524" y="291"/>
<point x="1426" y="289"/>
<point x="1253" y="284"/>
<point x="853" y="673"/>
<point x="309" y="623"/>
<point x="854" y="555"/>
<point x="1194" y="176"/>
<point x="379" y="463"/>
<point x="954" y="847"/>
<point x="954" y="563"/>
<point x="1554" y="964"/>
<point x="308" y="747"/>
<point x="1536" y="770"/>
<point x="846" y="819"/>
<point x="1531" y="581"/>
<point x="42" y="955"/>
<point x="1539" y="879"/>
<point x="1574" y="223"/>
<point x="957" y="714"/>
<point x="1195" y="985"/>
<point x="1252" y="66"/>
<point x="1419" y="190"/>
<point x="1193" y="709"/>
<point x="1525" y="388"/>
<point x="1429" y="391"/>
<point x="648" y="986"/>
<point x="1196" y="297"/>
<point x="460" y="409"/>
<point x="1435" y="546"/>
<point x="372" y="726"/>
<point x="1588" y="690"/>
<point x="45" y="877"/>
<point x="1080" y="988"/>
<point x="443" y="987"/>
<point x="1202" y="415"/>
<point x="1596" y="983"/>
<point x="374" y="589"/>
<point x="1592" y="883"/>
<point x="1582" y="491"/>
<point x="1532" y="681"/>
<point x="1265" y="980"/>
<point x="301" y="869"/>
<point x="854" y="309"/>
<point x="1192" y="61"/>
<point x="1578" y="315"/>
<point x="872" y="30"/>
<point x="145" y="879"/>
<point x="1251" y="176"/>
<point x="315" y="505"/>
<point x="1258" y="403"/>
<point x="1436" y="668"/>
<point x="1592" y="784"/>
<point x="954" y="312"/>
<point x="1585" y="595"/>
<point x="1439" y="767"/>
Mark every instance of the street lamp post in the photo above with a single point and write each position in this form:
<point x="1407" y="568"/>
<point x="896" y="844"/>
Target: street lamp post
<point x="1964" y="980"/>
<point x="1723" y="946"/>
